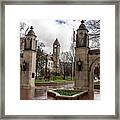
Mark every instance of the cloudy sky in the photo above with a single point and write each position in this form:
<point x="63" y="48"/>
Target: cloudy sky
<point x="48" y="30"/>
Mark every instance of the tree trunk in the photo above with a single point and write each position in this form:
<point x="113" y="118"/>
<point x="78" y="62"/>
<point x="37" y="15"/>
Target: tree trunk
<point x="64" y="71"/>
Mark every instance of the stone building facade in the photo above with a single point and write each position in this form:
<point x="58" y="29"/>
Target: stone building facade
<point x="50" y="63"/>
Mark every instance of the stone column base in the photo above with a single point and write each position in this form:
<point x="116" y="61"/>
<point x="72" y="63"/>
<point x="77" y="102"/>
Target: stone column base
<point x="27" y="92"/>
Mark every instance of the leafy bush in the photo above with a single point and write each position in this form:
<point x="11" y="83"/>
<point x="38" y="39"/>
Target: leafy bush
<point x="68" y="92"/>
<point x="58" y="79"/>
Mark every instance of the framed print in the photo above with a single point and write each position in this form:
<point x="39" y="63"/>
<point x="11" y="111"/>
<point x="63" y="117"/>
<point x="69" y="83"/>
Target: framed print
<point x="59" y="59"/>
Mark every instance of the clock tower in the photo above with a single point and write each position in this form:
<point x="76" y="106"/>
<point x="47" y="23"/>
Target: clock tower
<point x="56" y="55"/>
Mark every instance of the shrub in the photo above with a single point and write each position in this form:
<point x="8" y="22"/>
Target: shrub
<point x="68" y="92"/>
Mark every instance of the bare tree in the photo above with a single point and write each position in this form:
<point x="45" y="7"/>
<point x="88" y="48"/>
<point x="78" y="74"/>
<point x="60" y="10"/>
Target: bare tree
<point x="94" y="33"/>
<point x="67" y="59"/>
<point x="23" y="29"/>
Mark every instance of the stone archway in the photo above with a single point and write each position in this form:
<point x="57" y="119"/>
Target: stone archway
<point x="91" y="72"/>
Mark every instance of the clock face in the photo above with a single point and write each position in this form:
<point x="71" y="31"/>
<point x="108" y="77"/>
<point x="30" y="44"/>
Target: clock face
<point x="55" y="45"/>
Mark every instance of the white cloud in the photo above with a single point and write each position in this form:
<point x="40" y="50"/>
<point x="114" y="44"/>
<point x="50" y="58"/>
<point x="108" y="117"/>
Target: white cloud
<point x="48" y="30"/>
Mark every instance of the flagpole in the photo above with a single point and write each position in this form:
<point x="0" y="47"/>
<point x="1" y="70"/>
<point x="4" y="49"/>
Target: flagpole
<point x="73" y="64"/>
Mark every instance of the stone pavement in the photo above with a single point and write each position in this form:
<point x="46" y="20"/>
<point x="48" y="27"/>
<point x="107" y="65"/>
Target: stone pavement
<point x="40" y="92"/>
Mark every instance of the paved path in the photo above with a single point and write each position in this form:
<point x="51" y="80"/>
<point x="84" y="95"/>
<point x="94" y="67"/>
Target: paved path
<point x="40" y="93"/>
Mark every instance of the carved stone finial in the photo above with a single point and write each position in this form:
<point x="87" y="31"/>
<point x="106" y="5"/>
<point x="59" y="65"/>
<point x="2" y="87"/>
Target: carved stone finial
<point x="31" y="27"/>
<point x="82" y="21"/>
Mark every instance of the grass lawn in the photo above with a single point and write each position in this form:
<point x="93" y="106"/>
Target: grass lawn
<point x="96" y="82"/>
<point x="97" y="85"/>
<point x="68" y="92"/>
<point x="58" y="79"/>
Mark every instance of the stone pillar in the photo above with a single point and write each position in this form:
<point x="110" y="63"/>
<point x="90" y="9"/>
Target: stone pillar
<point x="28" y="60"/>
<point x="81" y="57"/>
<point x="81" y="76"/>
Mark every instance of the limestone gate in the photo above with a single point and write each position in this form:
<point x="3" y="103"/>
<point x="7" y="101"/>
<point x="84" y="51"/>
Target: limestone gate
<point x="86" y="60"/>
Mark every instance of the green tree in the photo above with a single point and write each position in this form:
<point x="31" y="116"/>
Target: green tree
<point x="40" y="60"/>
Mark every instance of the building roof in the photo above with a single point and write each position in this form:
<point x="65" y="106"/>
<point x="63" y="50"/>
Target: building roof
<point x="56" y="42"/>
<point x="31" y="32"/>
<point x="82" y="26"/>
<point x="50" y="57"/>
